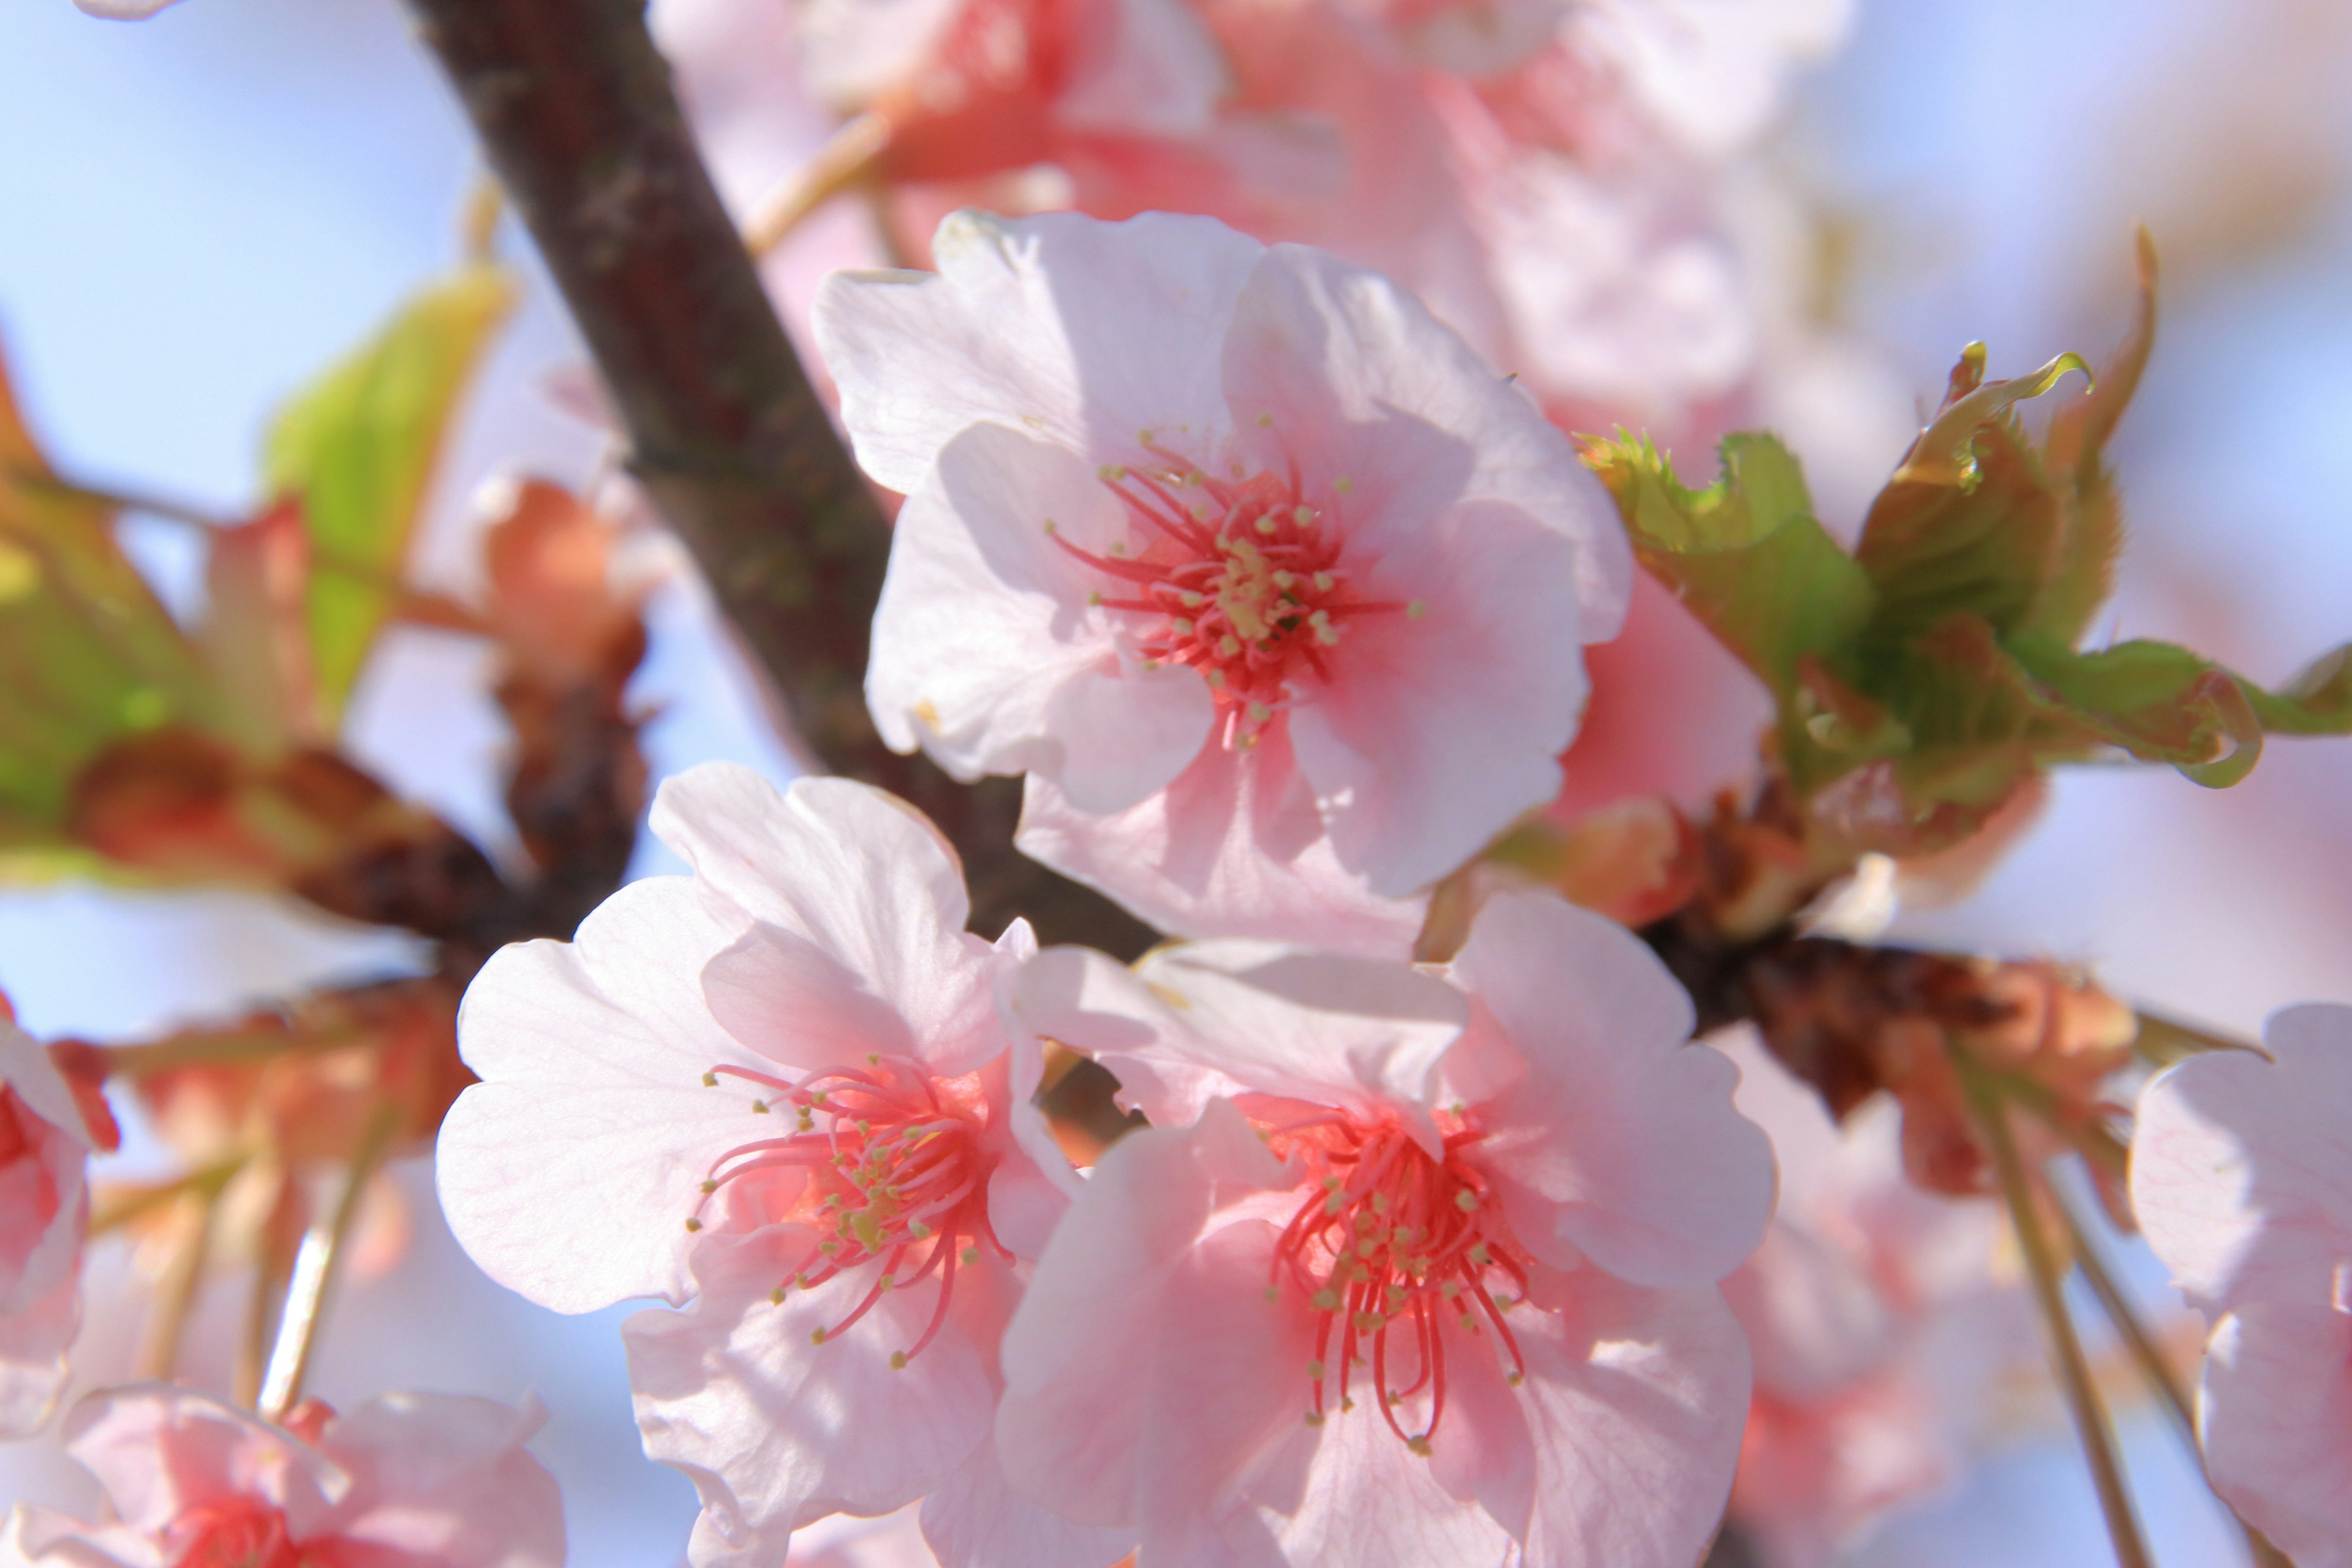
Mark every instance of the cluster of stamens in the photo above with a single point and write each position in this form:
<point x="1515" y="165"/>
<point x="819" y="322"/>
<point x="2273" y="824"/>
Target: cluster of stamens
<point x="1240" y="578"/>
<point x="1395" y="1250"/>
<point x="892" y="1171"/>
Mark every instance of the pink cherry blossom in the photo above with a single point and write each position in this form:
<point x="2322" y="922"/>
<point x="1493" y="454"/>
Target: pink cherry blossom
<point x="1874" y="1321"/>
<point x="44" y="1211"/>
<point x="1428" y="1279"/>
<point x="781" y="1087"/>
<point x="407" y="1480"/>
<point x="2241" y="1179"/>
<point x="1274" y="590"/>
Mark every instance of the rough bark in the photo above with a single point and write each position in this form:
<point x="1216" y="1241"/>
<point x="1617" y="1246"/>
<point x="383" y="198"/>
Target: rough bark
<point x="576" y="112"/>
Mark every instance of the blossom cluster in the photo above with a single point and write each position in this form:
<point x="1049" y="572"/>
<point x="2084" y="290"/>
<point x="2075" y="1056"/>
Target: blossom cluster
<point x="1472" y="1205"/>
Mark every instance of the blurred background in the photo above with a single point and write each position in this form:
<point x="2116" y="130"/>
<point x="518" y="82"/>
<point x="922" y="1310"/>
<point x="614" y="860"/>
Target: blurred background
<point x="198" y="212"/>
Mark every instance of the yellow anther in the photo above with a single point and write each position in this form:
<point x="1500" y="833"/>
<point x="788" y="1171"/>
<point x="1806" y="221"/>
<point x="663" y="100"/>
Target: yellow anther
<point x="829" y="1247"/>
<point x="1367" y="1323"/>
<point x="1217" y="680"/>
<point x="874" y="1059"/>
<point x="711" y="1081"/>
<point x="1416" y="609"/>
<point x="1110" y="473"/>
<point x="816" y="1336"/>
<point x="1246" y="742"/>
<point x="1183" y="626"/>
<point x="1229" y="645"/>
<point x="1343" y="484"/>
<point x="1515" y="1378"/>
<point x="918" y="1229"/>
<point x="1400" y="1235"/>
<point x="1450" y="1289"/>
<point x="1366" y="1224"/>
<point x="1145" y="436"/>
<point x="1314" y="1370"/>
<point x="970" y="1255"/>
<point x="758" y="1108"/>
<point x="1469" y="1323"/>
<point x="1315" y="1418"/>
<point x="1283" y="580"/>
<point x="693" y="1224"/>
<point x="1465" y="1200"/>
<point x="1094" y="597"/>
<point x="1346" y="1405"/>
<point x="1304" y="516"/>
<point x="1420" y="1446"/>
<point x="1331" y="1183"/>
<point x="889" y="1281"/>
<point x="1478" y="1254"/>
<point x="1268" y="523"/>
<point x="1326" y="1300"/>
<point x="1325" y="582"/>
<point x="1115" y="547"/>
<point x="1273" y="1293"/>
<point x="709" y="1187"/>
<point x="1266" y="421"/>
<point x="1379" y="1202"/>
<point x="1052" y="527"/>
<point x="776" y="1297"/>
<point x="817" y="1099"/>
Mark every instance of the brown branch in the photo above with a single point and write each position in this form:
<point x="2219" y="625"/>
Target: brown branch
<point x="575" y="108"/>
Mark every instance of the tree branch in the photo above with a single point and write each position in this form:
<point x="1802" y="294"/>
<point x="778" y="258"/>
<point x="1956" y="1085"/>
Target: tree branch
<point x="575" y="110"/>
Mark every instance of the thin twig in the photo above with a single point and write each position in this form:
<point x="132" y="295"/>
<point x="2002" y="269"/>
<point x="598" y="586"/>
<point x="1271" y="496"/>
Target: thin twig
<point x="577" y="115"/>
<point x="2074" y="1369"/>
<point x="183" y="1277"/>
<point x="315" y="1263"/>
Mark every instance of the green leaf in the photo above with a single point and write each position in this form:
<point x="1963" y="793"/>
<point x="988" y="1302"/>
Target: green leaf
<point x="1934" y="549"/>
<point x="2162" y="704"/>
<point x="357" y="448"/>
<point x="1745" y="555"/>
<point x="88" y="654"/>
<point x="2316" y="702"/>
<point x="1945" y="453"/>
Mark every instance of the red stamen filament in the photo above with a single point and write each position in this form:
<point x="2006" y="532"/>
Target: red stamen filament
<point x="1254" y="600"/>
<point x="1395" y="1237"/>
<point x="894" y="1172"/>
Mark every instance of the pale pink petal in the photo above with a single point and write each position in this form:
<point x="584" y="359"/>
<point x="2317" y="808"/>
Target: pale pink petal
<point x="861" y="875"/>
<point x="1200" y="1019"/>
<point x="121" y="10"/>
<point x="1083" y="333"/>
<point x="568" y="1171"/>
<point x="1637" y="1399"/>
<point x="787" y="999"/>
<point x="1442" y="725"/>
<point x="1234" y="848"/>
<point x="776" y="1430"/>
<point x="1364" y="384"/>
<point x="33" y="1344"/>
<point x="159" y="1450"/>
<point x="974" y="1520"/>
<point x="2276" y="1416"/>
<point x="1712" y="73"/>
<point x="2239" y="1165"/>
<point x="44" y="1205"/>
<point x="1482" y="1449"/>
<point x="985" y="625"/>
<point x="1629" y="1130"/>
<point x="1814" y="1320"/>
<point x="1369" y="1503"/>
<point x="1136" y="1372"/>
<point x="445" y="1479"/>
<point x="1145" y="68"/>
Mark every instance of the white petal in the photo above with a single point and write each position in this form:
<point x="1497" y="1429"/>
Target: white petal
<point x="445" y="1478"/>
<point x="1083" y="333"/>
<point x="1364" y="384"/>
<point x="33" y="1344"/>
<point x="787" y="999"/>
<point x="1234" y="848"/>
<point x="987" y="652"/>
<point x="2272" y="1417"/>
<point x="859" y="873"/>
<point x="976" y="1521"/>
<point x="2241" y="1168"/>
<point x="776" y="1431"/>
<point x="1627" y="1129"/>
<point x="1436" y="731"/>
<point x="569" y="1171"/>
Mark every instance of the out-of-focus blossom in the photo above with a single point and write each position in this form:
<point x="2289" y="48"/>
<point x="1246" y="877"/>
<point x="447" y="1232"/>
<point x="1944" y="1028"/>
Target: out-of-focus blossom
<point x="407" y="1479"/>
<point x="781" y="1087"/>
<point x="2241" y="1178"/>
<point x="1430" y="1277"/>
<point x="1874" y="1318"/>
<point x="1274" y="590"/>
<point x="44" y="1213"/>
<point x="121" y="10"/>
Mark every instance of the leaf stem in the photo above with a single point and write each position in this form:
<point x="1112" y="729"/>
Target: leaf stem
<point x="315" y="1263"/>
<point x="2067" y="1359"/>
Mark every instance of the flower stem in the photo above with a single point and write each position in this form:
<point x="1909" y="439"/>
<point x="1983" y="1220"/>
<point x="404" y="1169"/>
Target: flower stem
<point x="847" y="156"/>
<point x="183" y="1276"/>
<point x="2074" y="1369"/>
<point x="315" y="1262"/>
<point x="2149" y="1354"/>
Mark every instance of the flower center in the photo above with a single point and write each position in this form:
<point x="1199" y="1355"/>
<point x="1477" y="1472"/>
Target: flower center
<point x="1396" y="1251"/>
<point x="1241" y="579"/>
<point x="239" y="1534"/>
<point x="893" y="1169"/>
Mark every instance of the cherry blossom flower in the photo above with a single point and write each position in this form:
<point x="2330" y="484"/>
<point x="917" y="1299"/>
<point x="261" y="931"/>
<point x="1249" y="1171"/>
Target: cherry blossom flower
<point x="1274" y="591"/>
<point x="781" y="1087"/>
<point x="2241" y="1179"/>
<point x="1428" y="1277"/>
<point x="1875" y="1320"/>
<point x="44" y="1211"/>
<point x="405" y="1479"/>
